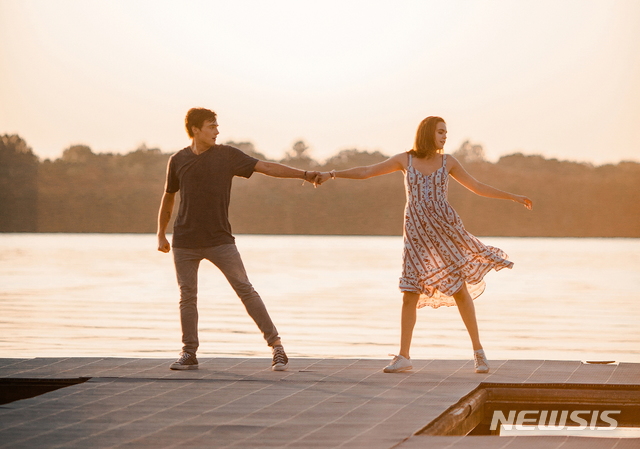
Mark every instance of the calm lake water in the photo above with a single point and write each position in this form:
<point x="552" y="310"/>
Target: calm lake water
<point x="116" y="296"/>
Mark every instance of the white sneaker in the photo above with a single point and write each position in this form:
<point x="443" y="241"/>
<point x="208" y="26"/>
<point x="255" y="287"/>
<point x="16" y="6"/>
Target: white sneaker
<point x="480" y="361"/>
<point x="398" y="364"/>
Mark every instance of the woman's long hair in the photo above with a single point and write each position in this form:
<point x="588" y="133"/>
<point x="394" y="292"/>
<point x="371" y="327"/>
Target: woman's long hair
<point x="425" y="143"/>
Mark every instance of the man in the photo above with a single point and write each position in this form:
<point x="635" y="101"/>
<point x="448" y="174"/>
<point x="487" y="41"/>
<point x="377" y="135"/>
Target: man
<point x="203" y="173"/>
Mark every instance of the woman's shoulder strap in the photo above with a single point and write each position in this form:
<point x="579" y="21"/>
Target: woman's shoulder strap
<point x="409" y="160"/>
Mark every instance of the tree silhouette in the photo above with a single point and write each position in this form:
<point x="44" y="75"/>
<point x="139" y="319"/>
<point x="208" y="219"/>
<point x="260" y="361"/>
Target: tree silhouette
<point x="469" y="153"/>
<point x="88" y="192"/>
<point x="18" y="185"/>
<point x="353" y="158"/>
<point x="299" y="157"/>
<point x="77" y="154"/>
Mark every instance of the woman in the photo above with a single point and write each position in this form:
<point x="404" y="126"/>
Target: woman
<point x="443" y="264"/>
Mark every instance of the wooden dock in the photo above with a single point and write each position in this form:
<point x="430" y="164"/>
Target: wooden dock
<point x="241" y="403"/>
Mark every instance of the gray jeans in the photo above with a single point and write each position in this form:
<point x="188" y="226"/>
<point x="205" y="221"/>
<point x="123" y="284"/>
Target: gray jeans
<point x="227" y="259"/>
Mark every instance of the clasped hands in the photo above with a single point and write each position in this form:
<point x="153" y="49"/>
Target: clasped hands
<point x="317" y="178"/>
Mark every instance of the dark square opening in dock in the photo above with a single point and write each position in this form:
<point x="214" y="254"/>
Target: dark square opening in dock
<point x="545" y="406"/>
<point x="14" y="389"/>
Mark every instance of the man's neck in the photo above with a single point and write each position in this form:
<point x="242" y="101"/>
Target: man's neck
<point x="199" y="148"/>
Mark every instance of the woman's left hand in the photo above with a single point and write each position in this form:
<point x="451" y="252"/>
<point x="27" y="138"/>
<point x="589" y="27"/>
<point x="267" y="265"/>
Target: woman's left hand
<point x="323" y="177"/>
<point x="524" y="201"/>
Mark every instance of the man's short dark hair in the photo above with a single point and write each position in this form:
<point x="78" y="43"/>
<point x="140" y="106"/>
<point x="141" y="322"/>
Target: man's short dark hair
<point x="196" y="117"/>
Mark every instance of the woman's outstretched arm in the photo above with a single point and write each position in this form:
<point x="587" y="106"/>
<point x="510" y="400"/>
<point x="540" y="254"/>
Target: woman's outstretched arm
<point x="463" y="177"/>
<point x="394" y="163"/>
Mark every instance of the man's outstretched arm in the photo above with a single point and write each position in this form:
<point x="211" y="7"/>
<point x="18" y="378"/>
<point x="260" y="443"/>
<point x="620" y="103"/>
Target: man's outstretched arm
<point x="164" y="215"/>
<point x="282" y="171"/>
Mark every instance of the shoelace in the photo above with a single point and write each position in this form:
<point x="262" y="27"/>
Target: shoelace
<point x="480" y="359"/>
<point x="279" y="355"/>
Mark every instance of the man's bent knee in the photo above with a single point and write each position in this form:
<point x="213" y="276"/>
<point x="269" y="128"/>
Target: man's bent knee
<point x="250" y="298"/>
<point x="245" y="291"/>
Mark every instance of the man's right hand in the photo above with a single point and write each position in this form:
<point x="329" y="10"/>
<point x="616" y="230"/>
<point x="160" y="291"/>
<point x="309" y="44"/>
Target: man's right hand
<point x="323" y="177"/>
<point x="163" y="244"/>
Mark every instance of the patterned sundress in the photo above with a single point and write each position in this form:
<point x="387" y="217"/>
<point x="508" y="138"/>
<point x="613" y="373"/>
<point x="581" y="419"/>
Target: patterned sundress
<point x="439" y="254"/>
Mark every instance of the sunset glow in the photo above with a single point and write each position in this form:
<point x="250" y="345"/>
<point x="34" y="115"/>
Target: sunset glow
<point x="560" y="79"/>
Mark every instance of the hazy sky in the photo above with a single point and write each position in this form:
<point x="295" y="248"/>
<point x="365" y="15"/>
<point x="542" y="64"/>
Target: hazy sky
<point x="559" y="78"/>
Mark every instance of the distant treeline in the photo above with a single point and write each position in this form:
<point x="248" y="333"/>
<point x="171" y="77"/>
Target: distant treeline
<point x="87" y="192"/>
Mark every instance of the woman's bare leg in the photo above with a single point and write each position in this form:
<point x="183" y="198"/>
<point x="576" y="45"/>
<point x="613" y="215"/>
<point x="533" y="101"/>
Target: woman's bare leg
<point x="468" y="314"/>
<point x="407" y="321"/>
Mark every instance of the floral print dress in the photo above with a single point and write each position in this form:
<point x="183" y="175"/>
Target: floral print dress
<point x="439" y="254"/>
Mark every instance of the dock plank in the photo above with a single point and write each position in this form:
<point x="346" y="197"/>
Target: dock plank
<point x="241" y="403"/>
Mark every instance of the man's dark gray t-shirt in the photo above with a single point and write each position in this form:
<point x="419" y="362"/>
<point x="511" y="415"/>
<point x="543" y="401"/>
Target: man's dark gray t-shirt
<point x="204" y="182"/>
